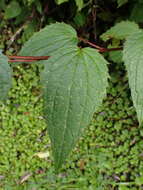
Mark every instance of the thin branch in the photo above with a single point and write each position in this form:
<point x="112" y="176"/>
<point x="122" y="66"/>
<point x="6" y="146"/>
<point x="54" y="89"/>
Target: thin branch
<point x="12" y="39"/>
<point x="21" y="60"/>
<point x="101" y="49"/>
<point x="15" y="58"/>
<point x="110" y="49"/>
<point x="29" y="57"/>
<point x="90" y="43"/>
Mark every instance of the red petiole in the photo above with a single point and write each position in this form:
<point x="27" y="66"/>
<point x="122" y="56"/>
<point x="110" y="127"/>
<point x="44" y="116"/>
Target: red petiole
<point x="15" y="58"/>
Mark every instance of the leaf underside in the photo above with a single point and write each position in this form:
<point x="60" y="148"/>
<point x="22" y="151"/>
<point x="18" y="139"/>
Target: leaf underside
<point x="133" y="58"/>
<point x="5" y="77"/>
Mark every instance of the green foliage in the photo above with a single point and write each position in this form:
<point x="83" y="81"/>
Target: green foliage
<point x="29" y="30"/>
<point x="65" y="78"/>
<point x="121" y="2"/>
<point x="61" y="1"/>
<point x="50" y="41"/>
<point x="22" y="130"/>
<point x="12" y="10"/>
<point x="109" y="156"/>
<point x="79" y="3"/>
<point x="120" y="31"/>
<point x="5" y="77"/>
<point x="116" y="56"/>
<point x="137" y="13"/>
<point x="133" y="59"/>
<point x="108" y="151"/>
<point x="64" y="81"/>
<point x="79" y="19"/>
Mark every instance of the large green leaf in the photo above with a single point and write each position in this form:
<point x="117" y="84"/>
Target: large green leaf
<point x="133" y="58"/>
<point x="120" y="30"/>
<point x="49" y="40"/>
<point x="75" y="82"/>
<point x="5" y="77"/>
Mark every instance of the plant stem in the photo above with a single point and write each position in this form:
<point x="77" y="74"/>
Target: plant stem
<point x="21" y="60"/>
<point x="110" y="49"/>
<point x="15" y="58"/>
<point x="101" y="49"/>
<point x="91" y="44"/>
<point x="29" y="57"/>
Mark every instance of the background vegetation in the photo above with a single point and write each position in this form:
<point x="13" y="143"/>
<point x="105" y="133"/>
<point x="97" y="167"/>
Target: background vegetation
<point x="109" y="155"/>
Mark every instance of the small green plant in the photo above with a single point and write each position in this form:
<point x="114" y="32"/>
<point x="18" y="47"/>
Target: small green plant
<point x="75" y="79"/>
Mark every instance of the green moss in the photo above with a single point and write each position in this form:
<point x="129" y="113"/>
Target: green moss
<point x="108" y="154"/>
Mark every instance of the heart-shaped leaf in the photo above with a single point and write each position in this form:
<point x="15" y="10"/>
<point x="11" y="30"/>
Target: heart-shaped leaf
<point x="75" y="82"/>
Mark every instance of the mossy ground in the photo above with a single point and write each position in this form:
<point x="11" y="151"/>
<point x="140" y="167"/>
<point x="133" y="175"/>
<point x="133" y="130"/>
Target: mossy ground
<point x="108" y="156"/>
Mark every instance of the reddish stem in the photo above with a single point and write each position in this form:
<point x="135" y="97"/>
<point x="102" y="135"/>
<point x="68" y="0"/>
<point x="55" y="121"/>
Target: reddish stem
<point x="15" y="58"/>
<point x="91" y="44"/>
<point x="110" y="49"/>
<point x="38" y="58"/>
<point x="101" y="49"/>
<point x="21" y="60"/>
<point x="29" y="57"/>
